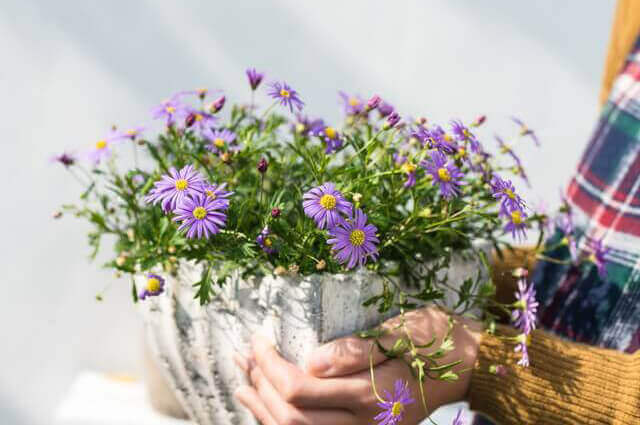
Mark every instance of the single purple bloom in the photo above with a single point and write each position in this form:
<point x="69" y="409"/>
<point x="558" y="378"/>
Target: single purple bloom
<point x="525" y="309"/>
<point x="331" y="138"/>
<point x="201" y="215"/>
<point x="325" y="204"/>
<point x="174" y="188"/>
<point x="287" y="96"/>
<point x="133" y="132"/>
<point x="104" y="148"/>
<point x="65" y="159"/>
<point x="353" y="105"/>
<point x="505" y="192"/>
<point x="220" y="140"/>
<point x="200" y="120"/>
<point x="265" y="242"/>
<point x="354" y="241"/>
<point x="435" y="138"/>
<point x="171" y="110"/>
<point x="373" y="102"/>
<point x="255" y="77"/>
<point x="305" y="125"/>
<point x="598" y="254"/>
<point x="217" y="192"/>
<point x="565" y="223"/>
<point x="445" y="173"/>
<point x="409" y="170"/>
<point x="526" y="131"/>
<point x="153" y="287"/>
<point x="394" y="405"/>
<point x="517" y="224"/>
<point x="392" y="120"/>
<point x="138" y="179"/>
<point x="385" y="109"/>
<point x="458" y="420"/>
<point x="463" y="134"/>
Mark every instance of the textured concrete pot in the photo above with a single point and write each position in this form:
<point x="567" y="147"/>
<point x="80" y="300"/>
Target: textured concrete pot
<point x="194" y="345"/>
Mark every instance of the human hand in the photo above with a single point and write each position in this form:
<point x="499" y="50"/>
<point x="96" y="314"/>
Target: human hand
<point x="336" y="388"/>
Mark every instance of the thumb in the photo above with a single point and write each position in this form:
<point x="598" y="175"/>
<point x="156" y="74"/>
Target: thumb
<point x="342" y="357"/>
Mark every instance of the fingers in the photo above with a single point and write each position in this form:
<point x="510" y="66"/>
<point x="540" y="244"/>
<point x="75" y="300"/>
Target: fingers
<point x="285" y="413"/>
<point x="342" y="357"/>
<point x="250" y="399"/>
<point x="300" y="389"/>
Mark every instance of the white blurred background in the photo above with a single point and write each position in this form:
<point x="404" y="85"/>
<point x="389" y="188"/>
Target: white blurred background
<point x="71" y="69"/>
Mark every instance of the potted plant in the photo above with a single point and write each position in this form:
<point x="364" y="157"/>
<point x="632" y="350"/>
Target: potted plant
<point x="267" y="220"/>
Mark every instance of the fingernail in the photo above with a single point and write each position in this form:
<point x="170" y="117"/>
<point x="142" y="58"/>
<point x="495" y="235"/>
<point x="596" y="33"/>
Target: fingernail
<point x="241" y="361"/>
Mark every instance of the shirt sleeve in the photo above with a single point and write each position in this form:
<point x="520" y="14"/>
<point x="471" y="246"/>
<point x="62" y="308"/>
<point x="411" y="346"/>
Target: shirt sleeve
<point x="566" y="383"/>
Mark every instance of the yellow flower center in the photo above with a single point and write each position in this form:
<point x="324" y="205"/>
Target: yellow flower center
<point x="199" y="213"/>
<point x="444" y="175"/>
<point x="330" y="132"/>
<point x="510" y="194"/>
<point x="328" y="202"/>
<point x="462" y="152"/>
<point x="153" y="284"/>
<point x="267" y="242"/>
<point x="505" y="149"/>
<point x="181" y="184"/>
<point x="101" y="144"/>
<point x="466" y="133"/>
<point x="408" y="167"/>
<point x="132" y="132"/>
<point x="300" y="127"/>
<point x="593" y="258"/>
<point x="198" y="117"/>
<point x="218" y="142"/>
<point x="448" y="137"/>
<point x="210" y="194"/>
<point x="170" y="109"/>
<point x="356" y="237"/>
<point x="354" y="102"/>
<point x="516" y="217"/>
<point x="397" y="408"/>
<point x="284" y="93"/>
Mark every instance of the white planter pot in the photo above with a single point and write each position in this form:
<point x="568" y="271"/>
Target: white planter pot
<point x="194" y="345"/>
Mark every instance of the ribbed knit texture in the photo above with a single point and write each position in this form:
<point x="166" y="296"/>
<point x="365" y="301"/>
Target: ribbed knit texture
<point x="567" y="383"/>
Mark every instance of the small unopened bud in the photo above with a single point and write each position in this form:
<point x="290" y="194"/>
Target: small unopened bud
<point x="190" y="120"/>
<point x="217" y="104"/>
<point x="121" y="260"/>
<point x="294" y="269"/>
<point x="57" y="214"/>
<point x="171" y="249"/>
<point x="392" y="120"/>
<point x="263" y="165"/>
<point x="279" y="271"/>
<point x="478" y="121"/>
<point x="498" y="369"/>
<point x="373" y="102"/>
<point x="357" y="197"/>
<point x="173" y="259"/>
<point x="275" y="212"/>
<point x="202" y="93"/>
<point x="130" y="234"/>
<point x="226" y="157"/>
<point x="421" y="121"/>
<point x="520" y="272"/>
<point x="321" y="265"/>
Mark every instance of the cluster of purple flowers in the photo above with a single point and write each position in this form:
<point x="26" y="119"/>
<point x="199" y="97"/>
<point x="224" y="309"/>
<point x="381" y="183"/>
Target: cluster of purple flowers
<point x="512" y="207"/>
<point x="353" y="240"/>
<point x="523" y="316"/>
<point x="199" y="206"/>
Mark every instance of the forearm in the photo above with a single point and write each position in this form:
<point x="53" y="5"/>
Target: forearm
<point x="566" y="383"/>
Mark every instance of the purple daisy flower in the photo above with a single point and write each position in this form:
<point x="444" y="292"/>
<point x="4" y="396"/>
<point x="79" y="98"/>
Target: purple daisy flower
<point x="458" y="420"/>
<point x="525" y="131"/>
<point x="325" y="204"/>
<point x="171" y="110"/>
<point x="65" y="159"/>
<point x="220" y="140"/>
<point x="353" y="105"/>
<point x="172" y="189"/>
<point x="133" y="132"/>
<point x="217" y="192"/>
<point x="287" y="96"/>
<point x="331" y="138"/>
<point x="445" y="173"/>
<point x="385" y="109"/>
<point x="525" y="309"/>
<point x="264" y="241"/>
<point x="521" y="347"/>
<point x="104" y="148"/>
<point x="435" y="138"/>
<point x="200" y="120"/>
<point x="305" y="125"/>
<point x="353" y="241"/>
<point x="517" y="224"/>
<point x="409" y="170"/>
<point x="394" y="405"/>
<point x="505" y="192"/>
<point x="462" y="134"/>
<point x="565" y="224"/>
<point x="201" y="215"/>
<point x="153" y="287"/>
<point x="598" y="254"/>
<point x="255" y="77"/>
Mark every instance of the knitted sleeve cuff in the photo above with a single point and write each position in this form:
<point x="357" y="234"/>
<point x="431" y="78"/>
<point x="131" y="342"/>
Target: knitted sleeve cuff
<point x="566" y="383"/>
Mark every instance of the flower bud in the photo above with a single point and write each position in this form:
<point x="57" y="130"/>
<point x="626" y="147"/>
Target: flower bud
<point x="321" y="265"/>
<point x="275" y="212"/>
<point x="263" y="165"/>
<point x="373" y="102"/>
<point x="294" y="269"/>
<point x="218" y="104"/>
<point x="226" y="157"/>
<point x="279" y="271"/>
<point x="478" y="121"/>
<point x="190" y="120"/>
<point x="57" y="214"/>
<point x="392" y="120"/>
